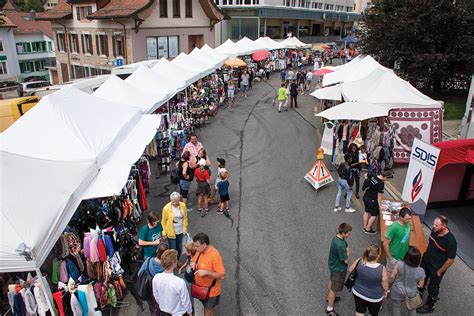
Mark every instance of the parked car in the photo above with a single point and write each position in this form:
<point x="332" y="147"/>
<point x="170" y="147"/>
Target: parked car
<point x="12" y="109"/>
<point x="29" y="88"/>
<point x="34" y="78"/>
<point x="9" y="84"/>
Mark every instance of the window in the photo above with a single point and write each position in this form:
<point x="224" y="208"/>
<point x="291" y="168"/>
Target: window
<point x="188" y="8"/>
<point x="349" y="9"/>
<point x="61" y="42"/>
<point x="339" y="8"/>
<point x="329" y="7"/>
<point x="73" y="43"/>
<point x="39" y="65"/>
<point x="118" y="45"/>
<point x="176" y="9"/>
<point x="87" y="44"/>
<point x="38" y="47"/>
<point x="163" y="8"/>
<point x="83" y="12"/>
<point x="102" y="45"/>
<point x="1" y="45"/>
<point x="104" y="71"/>
<point x="3" y="68"/>
<point x="163" y="46"/>
<point x="50" y="46"/>
<point x="23" y="48"/>
<point x="26" y="66"/>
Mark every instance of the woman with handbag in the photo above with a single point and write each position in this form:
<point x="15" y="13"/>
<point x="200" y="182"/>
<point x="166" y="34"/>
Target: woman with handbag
<point x="408" y="276"/>
<point x="371" y="284"/>
<point x="174" y="220"/>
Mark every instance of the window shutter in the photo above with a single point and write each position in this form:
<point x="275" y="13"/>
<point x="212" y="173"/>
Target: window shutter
<point x="82" y="43"/>
<point x="70" y="43"/>
<point x="77" y="43"/>
<point x="106" y="45"/>
<point x="114" y="45"/>
<point x="90" y="45"/>
<point x="97" y="44"/>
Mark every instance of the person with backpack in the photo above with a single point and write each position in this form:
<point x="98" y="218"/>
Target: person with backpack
<point x="344" y="172"/>
<point x="150" y="267"/>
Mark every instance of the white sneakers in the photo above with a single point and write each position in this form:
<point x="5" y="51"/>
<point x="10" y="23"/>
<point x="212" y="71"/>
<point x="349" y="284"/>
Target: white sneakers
<point x="348" y="210"/>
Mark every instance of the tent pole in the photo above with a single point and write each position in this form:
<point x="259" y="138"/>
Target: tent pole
<point x="47" y="295"/>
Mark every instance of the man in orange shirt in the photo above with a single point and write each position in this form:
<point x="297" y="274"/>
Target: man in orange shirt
<point x="208" y="264"/>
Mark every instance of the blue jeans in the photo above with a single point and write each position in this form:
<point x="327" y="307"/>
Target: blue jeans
<point x="176" y="244"/>
<point x="343" y="186"/>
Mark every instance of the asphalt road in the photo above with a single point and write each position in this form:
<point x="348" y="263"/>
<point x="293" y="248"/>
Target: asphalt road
<point x="275" y="245"/>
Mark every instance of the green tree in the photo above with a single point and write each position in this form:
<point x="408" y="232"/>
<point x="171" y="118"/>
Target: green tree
<point x="28" y="5"/>
<point x="431" y="41"/>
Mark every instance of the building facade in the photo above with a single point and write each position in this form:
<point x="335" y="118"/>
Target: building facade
<point x="312" y="20"/>
<point x="9" y="68"/>
<point x="93" y="36"/>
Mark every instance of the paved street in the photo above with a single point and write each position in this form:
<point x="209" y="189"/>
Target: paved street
<point x="276" y="244"/>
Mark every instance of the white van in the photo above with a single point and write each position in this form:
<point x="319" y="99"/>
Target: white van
<point x="87" y="85"/>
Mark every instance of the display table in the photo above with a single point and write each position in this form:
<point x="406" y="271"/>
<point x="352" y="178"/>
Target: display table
<point x="417" y="237"/>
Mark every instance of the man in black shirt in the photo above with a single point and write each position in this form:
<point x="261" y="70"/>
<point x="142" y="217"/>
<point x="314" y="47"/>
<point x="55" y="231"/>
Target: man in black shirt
<point x="437" y="259"/>
<point x="373" y="197"/>
<point x="293" y="94"/>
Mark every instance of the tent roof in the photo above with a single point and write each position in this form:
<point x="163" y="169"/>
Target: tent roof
<point x="293" y="42"/>
<point x="204" y="68"/>
<point x="460" y="151"/>
<point x="176" y="71"/>
<point x="201" y="55"/>
<point x="64" y="137"/>
<point x="351" y="72"/>
<point x="328" y="93"/>
<point x="357" y="111"/>
<point x="229" y="48"/>
<point x="214" y="54"/>
<point x="247" y="46"/>
<point x="268" y="43"/>
<point x="120" y="91"/>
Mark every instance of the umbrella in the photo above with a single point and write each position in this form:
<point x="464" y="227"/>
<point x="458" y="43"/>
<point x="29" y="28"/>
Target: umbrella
<point x="261" y="55"/>
<point x="235" y="62"/>
<point x="322" y="71"/>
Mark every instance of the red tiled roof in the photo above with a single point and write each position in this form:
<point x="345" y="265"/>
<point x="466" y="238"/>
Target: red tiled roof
<point x="5" y="22"/>
<point x="120" y="9"/>
<point x="61" y="11"/>
<point x="10" y="6"/>
<point x="24" y="23"/>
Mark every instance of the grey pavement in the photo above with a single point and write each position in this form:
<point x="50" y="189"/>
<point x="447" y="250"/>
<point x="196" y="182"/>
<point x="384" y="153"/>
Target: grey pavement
<point x="275" y="245"/>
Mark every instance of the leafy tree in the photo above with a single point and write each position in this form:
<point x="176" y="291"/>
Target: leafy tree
<point x="28" y="5"/>
<point x="431" y="41"/>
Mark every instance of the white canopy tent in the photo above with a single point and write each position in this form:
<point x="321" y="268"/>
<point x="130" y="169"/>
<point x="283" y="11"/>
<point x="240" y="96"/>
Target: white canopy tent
<point x="130" y="68"/>
<point x="247" y="46"/>
<point x="328" y="93"/>
<point x="175" y="71"/>
<point x="269" y="44"/>
<point x="214" y="54"/>
<point x="352" y="72"/>
<point x="229" y="48"/>
<point x="201" y="55"/>
<point x="120" y="91"/>
<point x="357" y="111"/>
<point x="185" y="61"/>
<point x="293" y="42"/>
<point x="50" y="157"/>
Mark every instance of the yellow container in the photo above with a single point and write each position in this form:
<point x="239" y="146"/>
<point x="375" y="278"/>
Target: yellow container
<point x="12" y="109"/>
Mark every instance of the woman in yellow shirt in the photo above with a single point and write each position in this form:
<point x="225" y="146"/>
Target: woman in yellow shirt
<point x="175" y="222"/>
<point x="282" y="98"/>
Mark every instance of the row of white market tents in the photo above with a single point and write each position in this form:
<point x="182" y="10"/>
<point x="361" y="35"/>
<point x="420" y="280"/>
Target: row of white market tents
<point x="73" y="146"/>
<point x="369" y="90"/>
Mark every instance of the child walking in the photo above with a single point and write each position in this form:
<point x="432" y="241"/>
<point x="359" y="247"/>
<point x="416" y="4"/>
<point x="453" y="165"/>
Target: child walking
<point x="223" y="188"/>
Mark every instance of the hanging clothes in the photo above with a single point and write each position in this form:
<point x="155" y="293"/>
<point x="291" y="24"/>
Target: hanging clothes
<point x="141" y="196"/>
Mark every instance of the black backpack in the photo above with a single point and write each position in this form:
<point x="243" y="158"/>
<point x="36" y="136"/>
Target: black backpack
<point x="144" y="283"/>
<point x="174" y="176"/>
<point x="343" y="171"/>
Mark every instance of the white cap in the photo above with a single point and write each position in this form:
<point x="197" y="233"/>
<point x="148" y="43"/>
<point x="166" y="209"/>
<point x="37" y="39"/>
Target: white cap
<point x="202" y="162"/>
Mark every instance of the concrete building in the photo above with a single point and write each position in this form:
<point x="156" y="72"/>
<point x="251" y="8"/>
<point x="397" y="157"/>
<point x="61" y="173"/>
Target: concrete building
<point x="362" y="5"/>
<point x="9" y="69"/>
<point x="311" y="20"/>
<point x="94" y="36"/>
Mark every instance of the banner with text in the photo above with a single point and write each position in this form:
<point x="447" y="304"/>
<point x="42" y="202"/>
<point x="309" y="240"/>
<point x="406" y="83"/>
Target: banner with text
<point x="319" y="175"/>
<point x="420" y="174"/>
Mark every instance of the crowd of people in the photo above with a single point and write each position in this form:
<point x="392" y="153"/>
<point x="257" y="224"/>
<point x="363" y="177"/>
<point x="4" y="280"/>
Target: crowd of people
<point x="405" y="276"/>
<point x="174" y="277"/>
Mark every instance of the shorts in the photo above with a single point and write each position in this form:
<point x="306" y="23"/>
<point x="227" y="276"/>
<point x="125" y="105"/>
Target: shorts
<point x="362" y="306"/>
<point x="245" y="87"/>
<point x="184" y="188"/>
<point x="371" y="206"/>
<point x="224" y="198"/>
<point x="337" y="280"/>
<point x="202" y="188"/>
<point x="230" y="94"/>
<point x="211" y="302"/>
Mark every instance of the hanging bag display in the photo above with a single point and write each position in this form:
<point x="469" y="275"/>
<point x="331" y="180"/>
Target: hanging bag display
<point x="144" y="282"/>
